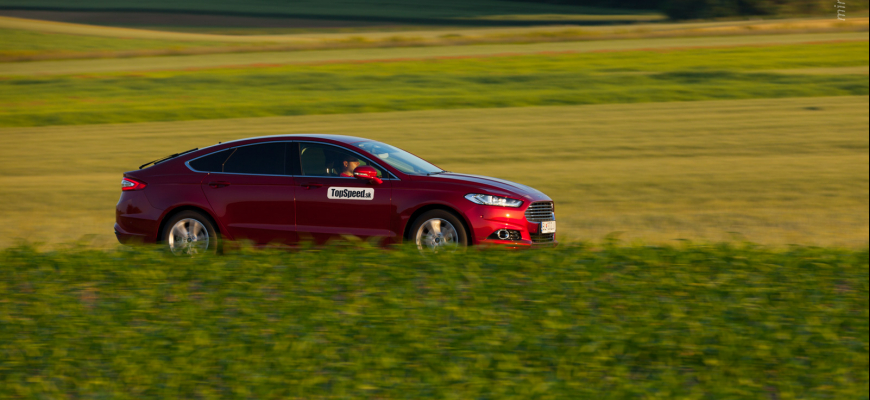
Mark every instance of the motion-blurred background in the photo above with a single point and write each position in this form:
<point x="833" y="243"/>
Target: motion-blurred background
<point x="652" y="120"/>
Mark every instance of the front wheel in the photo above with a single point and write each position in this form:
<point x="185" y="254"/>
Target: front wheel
<point x="190" y="233"/>
<point x="438" y="231"/>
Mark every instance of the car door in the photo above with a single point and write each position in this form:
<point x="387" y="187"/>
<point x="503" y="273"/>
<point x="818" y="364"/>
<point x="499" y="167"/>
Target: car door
<point x="252" y="193"/>
<point x="329" y="205"/>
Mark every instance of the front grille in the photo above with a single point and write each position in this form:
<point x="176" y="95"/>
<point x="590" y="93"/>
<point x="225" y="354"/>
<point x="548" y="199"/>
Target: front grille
<point x="540" y="211"/>
<point x="543" y="237"/>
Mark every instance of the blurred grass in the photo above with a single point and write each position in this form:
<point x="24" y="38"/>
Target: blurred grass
<point x="17" y="44"/>
<point x="19" y="40"/>
<point x="693" y="322"/>
<point x="620" y="77"/>
<point x="274" y="58"/>
<point x="34" y="40"/>
<point x="772" y="171"/>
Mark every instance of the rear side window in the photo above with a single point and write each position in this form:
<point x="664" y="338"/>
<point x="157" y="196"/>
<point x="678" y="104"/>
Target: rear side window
<point x="265" y="159"/>
<point x="212" y="162"/>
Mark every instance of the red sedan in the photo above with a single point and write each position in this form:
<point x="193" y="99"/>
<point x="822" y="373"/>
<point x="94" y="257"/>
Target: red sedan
<point x="286" y="189"/>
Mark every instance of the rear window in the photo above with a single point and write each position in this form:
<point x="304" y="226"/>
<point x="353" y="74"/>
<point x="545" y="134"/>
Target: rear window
<point x="264" y="159"/>
<point x="212" y="162"/>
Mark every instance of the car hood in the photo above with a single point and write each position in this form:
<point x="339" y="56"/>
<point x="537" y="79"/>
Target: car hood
<point x="490" y="185"/>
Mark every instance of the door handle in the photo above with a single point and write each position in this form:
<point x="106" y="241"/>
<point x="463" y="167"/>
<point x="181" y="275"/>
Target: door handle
<point x="218" y="184"/>
<point x="311" y="185"/>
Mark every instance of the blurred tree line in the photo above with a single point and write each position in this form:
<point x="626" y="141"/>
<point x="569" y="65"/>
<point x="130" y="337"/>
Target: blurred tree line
<point x="694" y="9"/>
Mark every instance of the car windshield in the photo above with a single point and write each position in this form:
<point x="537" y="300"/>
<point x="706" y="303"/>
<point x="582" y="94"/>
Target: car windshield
<point x="399" y="159"/>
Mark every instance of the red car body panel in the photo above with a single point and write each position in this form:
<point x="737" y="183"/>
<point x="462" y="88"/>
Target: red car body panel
<point x="320" y="219"/>
<point x="292" y="207"/>
<point x="258" y="208"/>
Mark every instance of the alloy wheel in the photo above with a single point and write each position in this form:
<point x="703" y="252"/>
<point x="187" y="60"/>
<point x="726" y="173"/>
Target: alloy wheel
<point x="188" y="237"/>
<point x="437" y="235"/>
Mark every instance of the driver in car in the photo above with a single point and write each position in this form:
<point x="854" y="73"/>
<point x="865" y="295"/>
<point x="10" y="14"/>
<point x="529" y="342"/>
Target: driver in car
<point x="349" y="163"/>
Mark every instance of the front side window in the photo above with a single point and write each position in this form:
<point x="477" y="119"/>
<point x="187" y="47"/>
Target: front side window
<point x="326" y="160"/>
<point x="399" y="159"/>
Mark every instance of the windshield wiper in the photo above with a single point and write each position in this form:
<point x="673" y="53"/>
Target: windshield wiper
<point x="436" y="173"/>
<point x="159" y="160"/>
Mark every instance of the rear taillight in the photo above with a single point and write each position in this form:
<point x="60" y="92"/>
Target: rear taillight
<point x="128" y="184"/>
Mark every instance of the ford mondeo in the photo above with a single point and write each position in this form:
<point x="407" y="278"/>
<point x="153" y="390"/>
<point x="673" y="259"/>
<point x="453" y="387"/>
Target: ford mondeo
<point x="292" y="188"/>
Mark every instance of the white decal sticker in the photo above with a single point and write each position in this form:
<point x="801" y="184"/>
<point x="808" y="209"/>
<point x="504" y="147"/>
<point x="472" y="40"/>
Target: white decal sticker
<point x="347" y="193"/>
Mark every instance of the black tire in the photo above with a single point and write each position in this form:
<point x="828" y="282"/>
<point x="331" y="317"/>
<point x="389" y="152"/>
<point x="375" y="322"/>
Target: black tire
<point x="191" y="245"/>
<point x="426" y="238"/>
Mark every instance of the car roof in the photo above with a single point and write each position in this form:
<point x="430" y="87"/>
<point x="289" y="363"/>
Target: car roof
<point x="303" y="136"/>
<point x="200" y="152"/>
<point x="255" y="139"/>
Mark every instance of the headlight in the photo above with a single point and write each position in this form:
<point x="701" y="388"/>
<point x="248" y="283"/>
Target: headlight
<point x="493" y="200"/>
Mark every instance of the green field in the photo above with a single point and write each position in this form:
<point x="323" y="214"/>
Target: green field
<point x="639" y="322"/>
<point x="276" y="58"/>
<point x="534" y="80"/>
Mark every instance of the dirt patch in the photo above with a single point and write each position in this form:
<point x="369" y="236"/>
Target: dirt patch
<point x="120" y="18"/>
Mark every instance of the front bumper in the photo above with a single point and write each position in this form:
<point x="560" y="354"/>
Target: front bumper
<point x="518" y="244"/>
<point x="485" y="220"/>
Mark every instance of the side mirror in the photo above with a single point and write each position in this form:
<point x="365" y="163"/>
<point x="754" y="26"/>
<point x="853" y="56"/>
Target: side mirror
<point x="368" y="173"/>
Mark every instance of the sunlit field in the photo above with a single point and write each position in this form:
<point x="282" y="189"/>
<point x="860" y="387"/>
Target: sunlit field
<point x="24" y="39"/>
<point x="775" y="159"/>
<point x="280" y="58"/>
<point x="507" y="81"/>
<point x="774" y="171"/>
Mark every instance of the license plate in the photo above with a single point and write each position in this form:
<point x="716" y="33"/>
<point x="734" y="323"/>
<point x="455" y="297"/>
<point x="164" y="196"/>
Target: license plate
<point x="548" y="227"/>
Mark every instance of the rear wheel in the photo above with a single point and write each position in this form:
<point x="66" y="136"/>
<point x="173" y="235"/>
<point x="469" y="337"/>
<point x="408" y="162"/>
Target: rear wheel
<point x="438" y="231"/>
<point x="190" y="233"/>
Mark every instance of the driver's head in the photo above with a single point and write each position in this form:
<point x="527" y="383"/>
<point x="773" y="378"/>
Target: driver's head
<point x="350" y="163"/>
